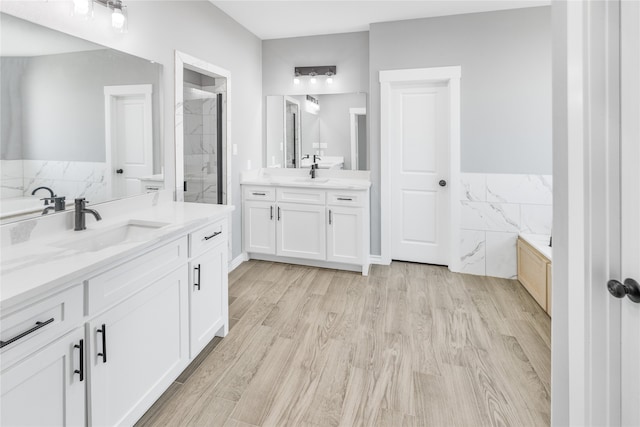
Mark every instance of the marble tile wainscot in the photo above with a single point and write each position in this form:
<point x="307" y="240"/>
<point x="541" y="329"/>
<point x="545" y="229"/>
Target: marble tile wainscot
<point x="495" y="208"/>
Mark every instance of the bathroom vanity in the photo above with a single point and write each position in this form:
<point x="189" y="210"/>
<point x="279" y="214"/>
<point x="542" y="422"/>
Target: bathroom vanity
<point x="96" y="324"/>
<point x="290" y="217"/>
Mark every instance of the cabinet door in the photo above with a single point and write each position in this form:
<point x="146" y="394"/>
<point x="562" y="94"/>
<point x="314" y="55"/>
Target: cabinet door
<point x="43" y="389"/>
<point x="208" y="297"/>
<point x="259" y="227"/>
<point x="344" y="235"/>
<point x="138" y="348"/>
<point x="301" y="231"/>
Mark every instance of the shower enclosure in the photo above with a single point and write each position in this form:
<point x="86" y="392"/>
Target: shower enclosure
<point x="204" y="136"/>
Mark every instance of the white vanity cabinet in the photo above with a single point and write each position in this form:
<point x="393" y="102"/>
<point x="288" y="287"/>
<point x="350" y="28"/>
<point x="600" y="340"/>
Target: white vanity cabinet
<point x="327" y="227"/>
<point x="129" y="324"/>
<point x="137" y="349"/>
<point x="208" y="286"/>
<point x="44" y="388"/>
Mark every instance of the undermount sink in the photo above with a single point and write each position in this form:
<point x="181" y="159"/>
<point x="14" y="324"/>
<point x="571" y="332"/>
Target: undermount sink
<point x="131" y="231"/>
<point x="313" y="180"/>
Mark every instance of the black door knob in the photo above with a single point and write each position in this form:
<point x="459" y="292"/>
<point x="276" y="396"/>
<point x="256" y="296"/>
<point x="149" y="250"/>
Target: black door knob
<point x="630" y="288"/>
<point x="119" y="171"/>
<point x="442" y="183"/>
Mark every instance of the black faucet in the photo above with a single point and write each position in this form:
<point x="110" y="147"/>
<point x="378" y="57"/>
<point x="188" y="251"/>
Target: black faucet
<point x="46" y="200"/>
<point x="81" y="210"/>
<point x="314" y="170"/>
<point x="59" y="204"/>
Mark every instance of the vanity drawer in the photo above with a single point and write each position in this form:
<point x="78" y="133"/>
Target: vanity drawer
<point x="126" y="279"/>
<point x="260" y="193"/>
<point x="301" y="195"/>
<point x="346" y="198"/>
<point x="33" y="326"/>
<point x="207" y="237"/>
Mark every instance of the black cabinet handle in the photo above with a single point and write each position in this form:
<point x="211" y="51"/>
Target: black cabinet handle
<point x="81" y="370"/>
<point x="25" y="333"/>
<point x="198" y="282"/>
<point x="103" y="331"/>
<point x="213" y="235"/>
<point x="271" y="212"/>
<point x="278" y="213"/>
<point x="330" y="217"/>
<point x="346" y="199"/>
<point x="259" y="194"/>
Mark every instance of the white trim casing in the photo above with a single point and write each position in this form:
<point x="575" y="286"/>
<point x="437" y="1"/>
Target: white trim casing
<point x="451" y="76"/>
<point x="353" y="122"/>
<point x="235" y="263"/>
<point x="182" y="61"/>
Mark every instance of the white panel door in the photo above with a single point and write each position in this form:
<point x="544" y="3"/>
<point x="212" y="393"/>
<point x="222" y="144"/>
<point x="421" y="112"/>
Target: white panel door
<point x="344" y="235"/>
<point x="137" y="350"/>
<point x="630" y="208"/>
<point x="259" y="227"/>
<point x="43" y="389"/>
<point x="129" y="137"/>
<point x="419" y="161"/>
<point x="301" y="231"/>
<point x="206" y="299"/>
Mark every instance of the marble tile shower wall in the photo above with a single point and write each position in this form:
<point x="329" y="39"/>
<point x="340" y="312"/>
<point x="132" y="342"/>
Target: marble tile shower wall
<point x="200" y="118"/>
<point x="495" y="208"/>
<point x="65" y="178"/>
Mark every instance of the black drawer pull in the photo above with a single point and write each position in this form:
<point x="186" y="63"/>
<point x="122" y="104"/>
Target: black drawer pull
<point x="217" y="233"/>
<point x="259" y="194"/>
<point x="81" y="370"/>
<point x="345" y="199"/>
<point x="103" y="331"/>
<point x="25" y="333"/>
<point x="198" y="282"/>
<point x="271" y="212"/>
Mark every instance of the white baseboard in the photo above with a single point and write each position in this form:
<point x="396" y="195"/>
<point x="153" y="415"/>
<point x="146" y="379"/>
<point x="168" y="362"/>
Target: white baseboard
<point x="376" y="259"/>
<point x="237" y="261"/>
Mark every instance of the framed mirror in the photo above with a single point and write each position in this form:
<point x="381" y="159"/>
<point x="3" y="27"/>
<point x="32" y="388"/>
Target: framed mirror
<point x="332" y="127"/>
<point x="78" y="120"/>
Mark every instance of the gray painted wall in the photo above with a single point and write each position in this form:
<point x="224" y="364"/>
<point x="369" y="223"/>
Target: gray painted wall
<point x="505" y="88"/>
<point x="156" y="30"/>
<point x="63" y="102"/>
<point x="11" y="72"/>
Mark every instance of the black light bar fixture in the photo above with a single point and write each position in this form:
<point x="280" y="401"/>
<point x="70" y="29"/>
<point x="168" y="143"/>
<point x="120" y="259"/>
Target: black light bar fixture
<point x="323" y="70"/>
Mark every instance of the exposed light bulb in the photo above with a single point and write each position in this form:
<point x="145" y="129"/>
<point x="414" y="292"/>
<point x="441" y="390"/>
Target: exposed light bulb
<point x="313" y="80"/>
<point x="117" y="19"/>
<point x="83" y="8"/>
<point x="329" y="80"/>
<point x="296" y="81"/>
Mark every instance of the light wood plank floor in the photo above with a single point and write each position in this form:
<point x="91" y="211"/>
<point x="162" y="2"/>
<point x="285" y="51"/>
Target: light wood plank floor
<point x="409" y="345"/>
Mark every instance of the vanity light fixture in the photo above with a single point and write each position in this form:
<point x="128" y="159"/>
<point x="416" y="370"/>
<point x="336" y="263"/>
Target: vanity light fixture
<point x="119" y="20"/>
<point x="324" y="70"/>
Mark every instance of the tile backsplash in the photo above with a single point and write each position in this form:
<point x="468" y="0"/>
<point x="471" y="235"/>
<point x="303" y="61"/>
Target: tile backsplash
<point x="495" y="208"/>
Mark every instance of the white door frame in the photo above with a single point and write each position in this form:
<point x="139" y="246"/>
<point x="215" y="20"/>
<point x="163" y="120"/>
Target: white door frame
<point x="585" y="348"/>
<point x="451" y="77"/>
<point x="110" y="95"/>
<point x="183" y="60"/>
<point x="353" y="120"/>
<point x="296" y="141"/>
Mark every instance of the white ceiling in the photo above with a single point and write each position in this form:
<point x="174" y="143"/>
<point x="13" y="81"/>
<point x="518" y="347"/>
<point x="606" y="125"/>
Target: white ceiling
<point x="24" y="38"/>
<point x="286" y="18"/>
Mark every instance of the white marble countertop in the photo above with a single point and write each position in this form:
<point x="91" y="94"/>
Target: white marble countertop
<point x="327" y="179"/>
<point x="39" y="266"/>
<point x="540" y="242"/>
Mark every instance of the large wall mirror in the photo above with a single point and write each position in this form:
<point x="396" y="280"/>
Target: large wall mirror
<point x="77" y="118"/>
<point x="332" y="127"/>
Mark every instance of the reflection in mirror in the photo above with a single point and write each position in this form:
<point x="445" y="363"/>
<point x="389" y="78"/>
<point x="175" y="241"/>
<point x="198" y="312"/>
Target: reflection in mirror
<point x="78" y="118"/>
<point x="333" y="127"/>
